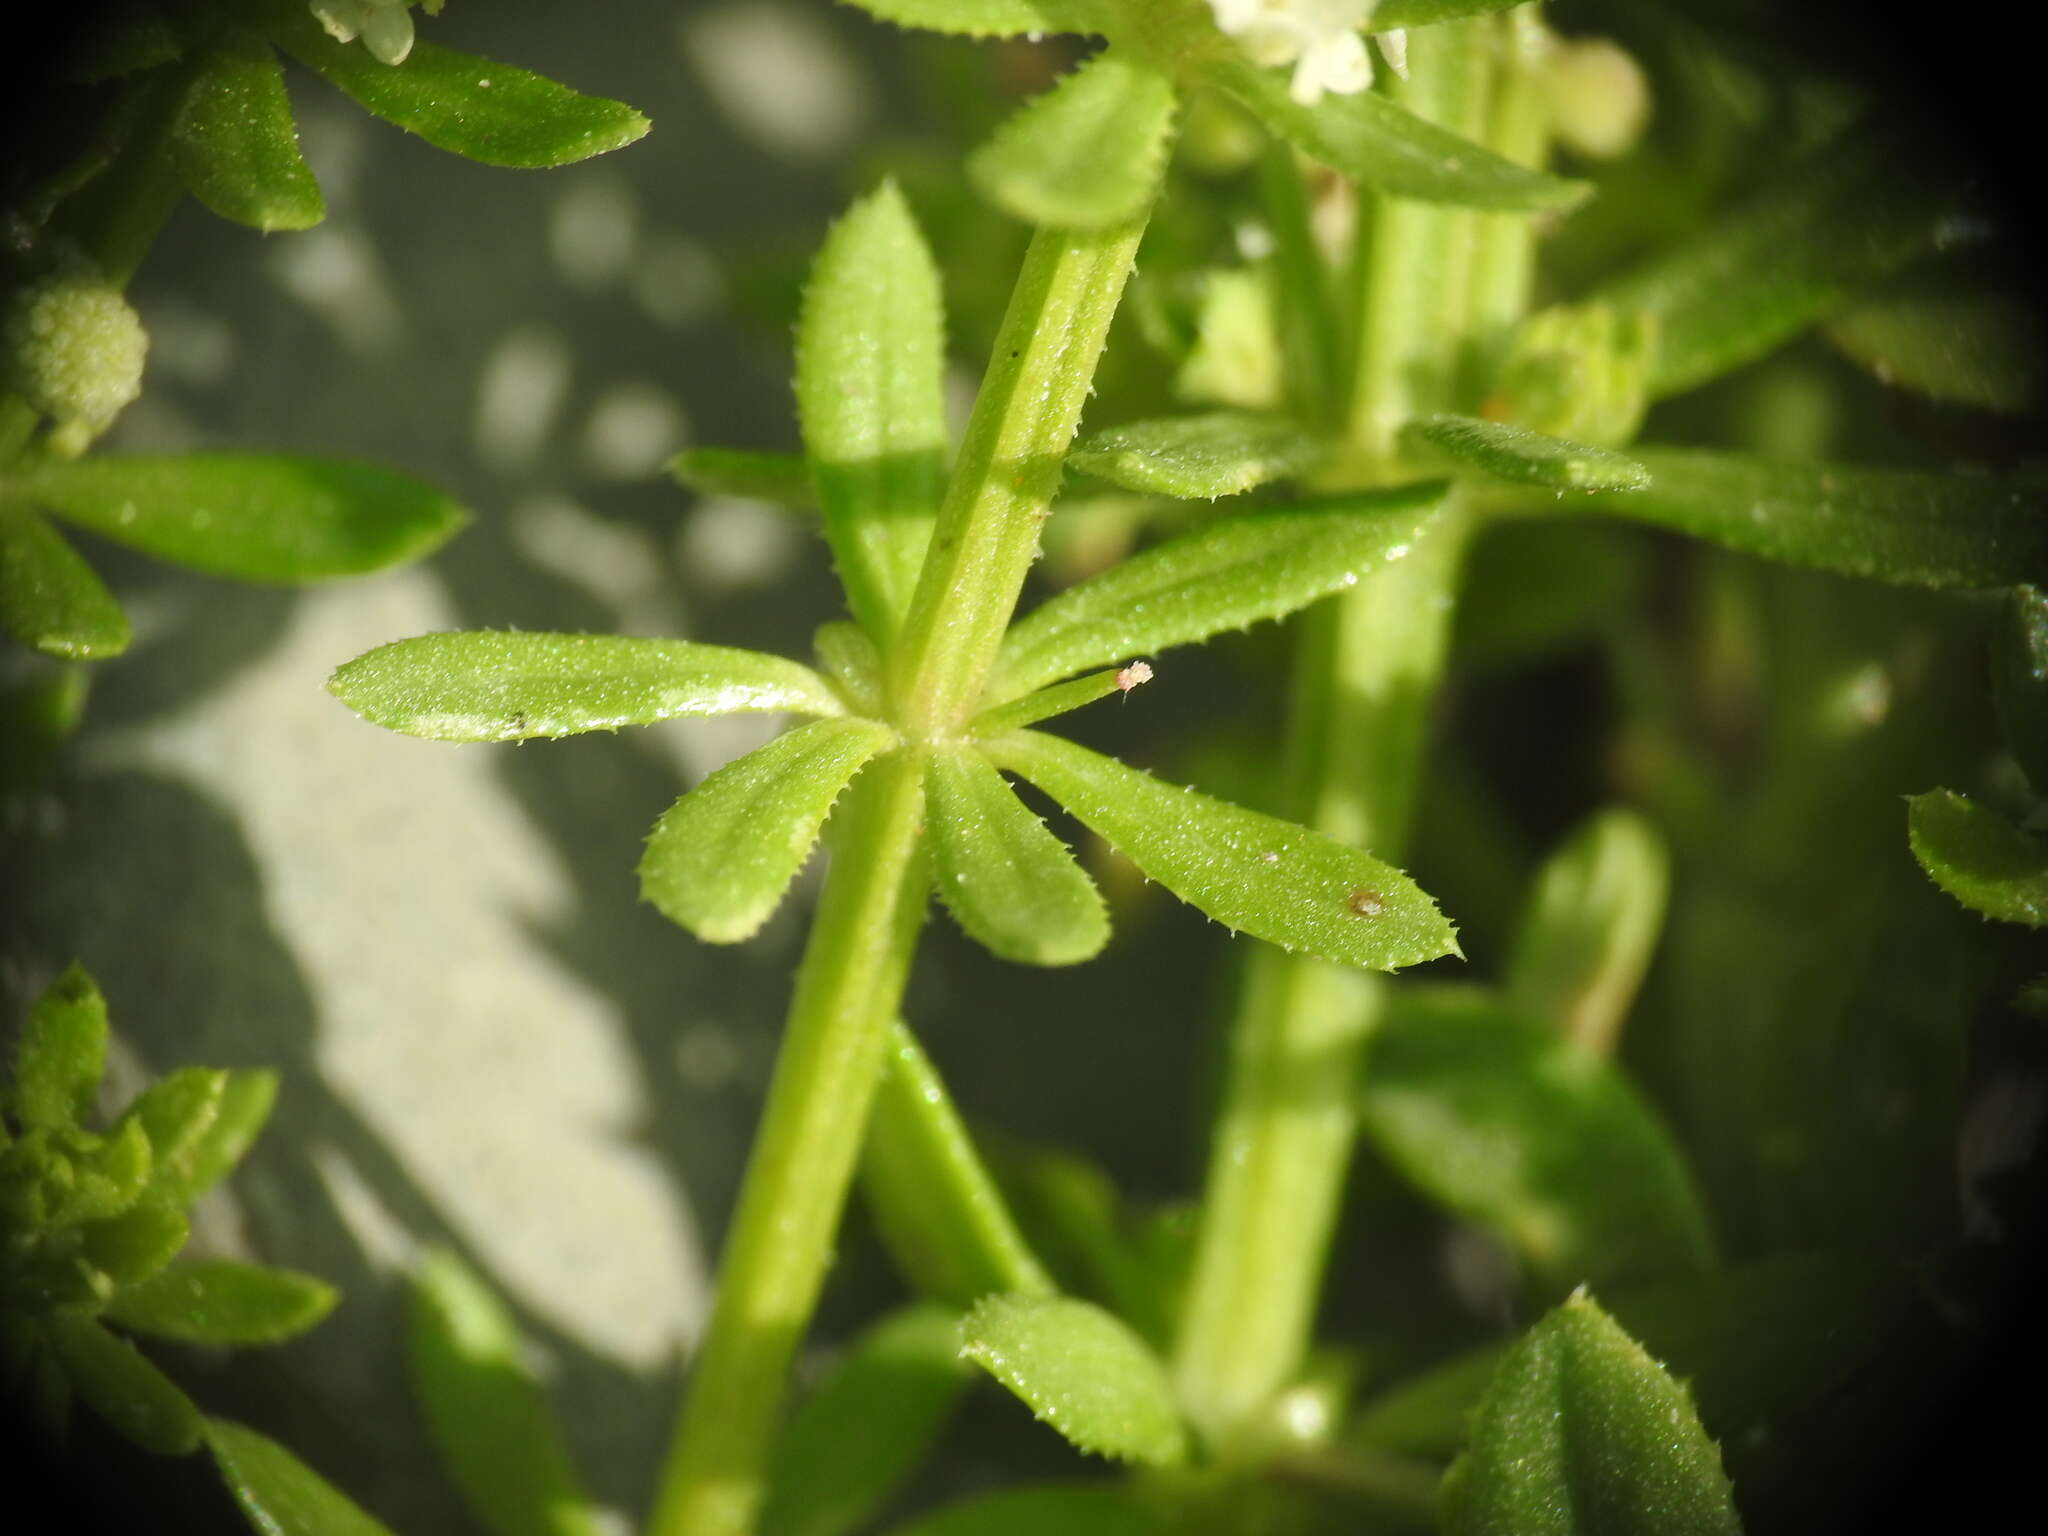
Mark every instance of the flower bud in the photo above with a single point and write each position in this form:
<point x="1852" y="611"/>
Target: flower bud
<point x="74" y="349"/>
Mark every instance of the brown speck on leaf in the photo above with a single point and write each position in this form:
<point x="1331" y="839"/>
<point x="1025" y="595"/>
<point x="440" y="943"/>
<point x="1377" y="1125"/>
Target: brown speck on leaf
<point x="1364" y="903"/>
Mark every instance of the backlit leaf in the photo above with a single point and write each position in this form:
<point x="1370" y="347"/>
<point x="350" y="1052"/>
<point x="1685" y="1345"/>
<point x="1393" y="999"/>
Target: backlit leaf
<point x="114" y="1379"/>
<point x="869" y="370"/>
<point x="221" y="1301"/>
<point x="139" y="1242"/>
<point x="176" y="1112"/>
<point x="109" y="1181"/>
<point x="63" y="1051"/>
<point x="1088" y="153"/>
<point x="280" y="1494"/>
<point x="1217" y="454"/>
<point x="509" y="685"/>
<point x="1010" y="884"/>
<point x="1080" y="1371"/>
<point x="1498" y="1119"/>
<point x="988" y="18"/>
<point x="245" y="1104"/>
<point x="1528" y="458"/>
<point x="235" y="145"/>
<point x="50" y="600"/>
<point x="866" y="1425"/>
<point x="1225" y="575"/>
<point x="1254" y="873"/>
<point x="254" y="517"/>
<point x="721" y="857"/>
<point x="1380" y="145"/>
<point x="489" y="1417"/>
<point x="1582" y="1434"/>
<point x="781" y="478"/>
<point x="478" y="108"/>
<point x="1979" y="857"/>
<point x="1908" y="527"/>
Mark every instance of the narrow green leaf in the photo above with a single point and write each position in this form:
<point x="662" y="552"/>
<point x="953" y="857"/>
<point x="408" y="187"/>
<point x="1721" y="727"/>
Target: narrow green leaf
<point x="1088" y="153"/>
<point x="1582" y="1434"/>
<point x="50" y="600"/>
<point x="221" y="1301"/>
<point x="488" y="1415"/>
<point x="1959" y="332"/>
<point x="113" y="1379"/>
<point x="1496" y="1118"/>
<point x="477" y="108"/>
<point x="1217" y="454"/>
<point x="235" y="145"/>
<point x="1074" y="1509"/>
<point x="781" y="478"/>
<point x="176" y="1112"/>
<point x="2019" y="681"/>
<point x="62" y="1054"/>
<point x="252" y="517"/>
<point x="1527" y="458"/>
<point x="1389" y="14"/>
<point x="988" y="18"/>
<point x="932" y="1198"/>
<point x="1225" y="575"/>
<point x="1061" y="698"/>
<point x="1979" y="857"/>
<point x="139" y="1242"/>
<point x="1907" y="527"/>
<point x="1012" y="886"/>
<point x="1254" y="873"/>
<point x="1591" y="923"/>
<point x="245" y="1104"/>
<point x="870" y="363"/>
<point x="1080" y="1371"/>
<point x="1379" y="145"/>
<point x="510" y="685"/>
<point x="720" y="858"/>
<point x="1853" y="212"/>
<point x="280" y="1494"/>
<point x="110" y="1180"/>
<point x="867" y="1425"/>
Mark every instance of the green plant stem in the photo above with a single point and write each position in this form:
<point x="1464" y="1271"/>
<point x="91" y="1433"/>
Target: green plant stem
<point x="1366" y="666"/>
<point x="116" y="217"/>
<point x="847" y="990"/>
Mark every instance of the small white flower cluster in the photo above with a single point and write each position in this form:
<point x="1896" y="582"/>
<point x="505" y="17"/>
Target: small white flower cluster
<point x="385" y="26"/>
<point x="73" y="348"/>
<point x="1320" y="38"/>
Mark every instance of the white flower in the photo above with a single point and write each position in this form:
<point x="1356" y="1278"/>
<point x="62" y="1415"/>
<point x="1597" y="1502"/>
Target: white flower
<point x="385" y="26"/>
<point x="1320" y="38"/>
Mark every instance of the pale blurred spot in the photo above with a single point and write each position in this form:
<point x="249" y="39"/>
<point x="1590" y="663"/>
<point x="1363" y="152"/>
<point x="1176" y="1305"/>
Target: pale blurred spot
<point x="780" y="75"/>
<point x="621" y="566"/>
<point x="519" y="395"/>
<point x="189" y="344"/>
<point x="594" y="229"/>
<point x="960" y="388"/>
<point x="632" y="430"/>
<point x="676" y="281"/>
<point x="335" y="273"/>
<point x="700" y="747"/>
<point x="154" y="425"/>
<point x="727" y="542"/>
<point x="707" y="1059"/>
<point x="383" y="1238"/>
<point x="335" y="145"/>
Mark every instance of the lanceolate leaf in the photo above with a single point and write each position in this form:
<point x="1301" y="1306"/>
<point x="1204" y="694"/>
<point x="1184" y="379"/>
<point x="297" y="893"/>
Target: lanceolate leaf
<point x="507" y="685"/>
<point x="1980" y="858"/>
<point x="783" y="478"/>
<point x="280" y="1494"/>
<point x="1582" y="1434"/>
<point x="477" y="108"/>
<point x="1499" y="1119"/>
<point x="487" y="1414"/>
<point x="220" y="1301"/>
<point x="1217" y="454"/>
<point x="869" y="366"/>
<point x="1376" y="143"/>
<point x="176" y="1112"/>
<point x="257" y="518"/>
<point x="235" y="145"/>
<point x="245" y="1103"/>
<point x="1836" y="222"/>
<point x="1082" y="1372"/>
<point x="1254" y="873"/>
<point x="63" y="1051"/>
<point x="720" y="858"/>
<point x="1908" y="527"/>
<point x="116" y="1382"/>
<point x="1088" y="153"/>
<point x="1528" y="458"/>
<point x="988" y="18"/>
<point x="50" y="600"/>
<point x="1229" y="574"/>
<point x="1011" y="885"/>
<point x="867" y="1425"/>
